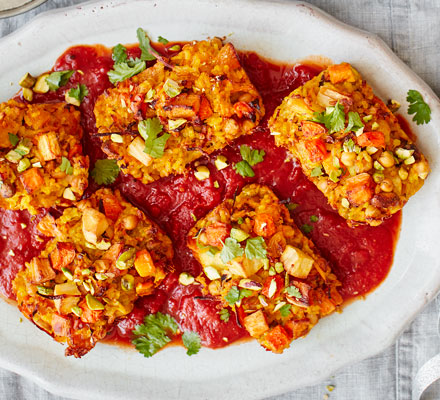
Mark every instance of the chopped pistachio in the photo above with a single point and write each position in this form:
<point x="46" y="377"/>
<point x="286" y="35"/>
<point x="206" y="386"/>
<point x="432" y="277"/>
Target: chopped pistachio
<point x="265" y="264"/>
<point x="68" y="194"/>
<point x="93" y="303"/>
<point x="41" y="86"/>
<point x="211" y="273"/>
<point x="149" y="97"/>
<point x="45" y="291"/>
<point x="250" y="284"/>
<point x="238" y="234"/>
<point x="221" y="162"/>
<point x="378" y="166"/>
<point x="403" y="174"/>
<point x="86" y="271"/>
<point x="28" y="94"/>
<point x="371" y="150"/>
<point x="127" y="282"/>
<point x="100" y="276"/>
<point x="173" y="124"/>
<point x="216" y="184"/>
<point x="37" y="165"/>
<point x="186" y="279"/>
<point x="193" y="217"/>
<point x="336" y="162"/>
<point x="403" y="154"/>
<point x="334" y="175"/>
<point x="202" y="172"/>
<point x="240" y="221"/>
<point x="279" y="267"/>
<point x="27" y="81"/>
<point x="116" y="138"/>
<point x="76" y="310"/>
<point x="72" y="100"/>
<point x="125" y="260"/>
<point x="171" y="88"/>
<point x="262" y="300"/>
<point x="378" y="177"/>
<point x="410" y="160"/>
<point x="23" y="165"/>
<point x="345" y="203"/>
<point x="279" y="305"/>
<point x="272" y="288"/>
<point x="368" y="118"/>
<point x="13" y="156"/>
<point x="67" y="273"/>
<point x="375" y="126"/>
<point x="176" y="47"/>
<point x="272" y="271"/>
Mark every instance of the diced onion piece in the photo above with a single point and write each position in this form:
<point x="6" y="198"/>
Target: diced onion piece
<point x="186" y="279"/>
<point x="202" y="172"/>
<point x="136" y="150"/>
<point x="211" y="273"/>
<point x="296" y="262"/>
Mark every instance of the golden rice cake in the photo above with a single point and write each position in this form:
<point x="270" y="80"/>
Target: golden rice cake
<point x="41" y="158"/>
<point x="104" y="254"/>
<point x="201" y="104"/>
<point x="261" y="266"/>
<point x="350" y="145"/>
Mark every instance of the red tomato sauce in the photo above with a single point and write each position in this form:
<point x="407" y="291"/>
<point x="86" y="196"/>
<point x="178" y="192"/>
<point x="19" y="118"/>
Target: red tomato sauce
<point x="361" y="257"/>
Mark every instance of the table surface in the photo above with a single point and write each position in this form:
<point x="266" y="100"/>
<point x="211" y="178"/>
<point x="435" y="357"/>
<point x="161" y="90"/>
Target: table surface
<point x="410" y="28"/>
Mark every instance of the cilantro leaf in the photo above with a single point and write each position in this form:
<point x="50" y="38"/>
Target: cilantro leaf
<point x="354" y="122"/>
<point x="144" y="45"/>
<point x="244" y="169"/>
<point x="66" y="166"/>
<point x="293" y="291"/>
<point x="285" y="310"/>
<point x="314" y="218"/>
<point x="292" y="206"/>
<point x="154" y="333"/>
<point x="230" y="250"/>
<point x="105" y="172"/>
<point x="191" y="340"/>
<point x="224" y="314"/>
<point x="79" y="92"/>
<point x="306" y="228"/>
<point x="58" y="78"/>
<point x="162" y="40"/>
<point x="119" y="54"/>
<point x="418" y="107"/>
<point x="255" y="248"/>
<point x="14" y="139"/>
<point x="155" y="148"/>
<point x="235" y="295"/>
<point x="333" y="118"/>
<point x="149" y="129"/>
<point x="123" y="71"/>
<point x="253" y="157"/>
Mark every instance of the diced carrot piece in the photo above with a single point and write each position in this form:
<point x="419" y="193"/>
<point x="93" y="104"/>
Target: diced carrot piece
<point x="359" y="189"/>
<point x="374" y="138"/>
<point x="41" y="271"/>
<point x="228" y="56"/>
<point x="113" y="252"/>
<point x="205" y="109"/>
<point x="76" y="150"/>
<point x="48" y="146"/>
<point x="276" y="340"/>
<point x="144" y="264"/>
<point x="241" y="108"/>
<point x="340" y="73"/>
<point x="316" y="149"/>
<point x="216" y="233"/>
<point x="145" y="288"/>
<point x="256" y="323"/>
<point x="272" y="290"/>
<point x="326" y="306"/>
<point x="111" y="205"/>
<point x="264" y="225"/>
<point x="312" y="129"/>
<point x="62" y="255"/>
<point x="31" y="179"/>
<point x="89" y="316"/>
<point x="47" y="225"/>
<point x="297" y="328"/>
<point x="60" y="325"/>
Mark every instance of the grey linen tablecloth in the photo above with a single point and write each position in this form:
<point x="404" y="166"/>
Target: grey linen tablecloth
<point x="411" y="29"/>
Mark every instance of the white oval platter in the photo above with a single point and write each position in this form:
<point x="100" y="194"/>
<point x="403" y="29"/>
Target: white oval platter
<point x="282" y="30"/>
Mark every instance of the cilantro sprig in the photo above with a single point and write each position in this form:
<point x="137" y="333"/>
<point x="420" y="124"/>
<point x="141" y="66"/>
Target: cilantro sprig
<point x="224" y="314"/>
<point x="105" y="172"/>
<point x="119" y="54"/>
<point x="354" y="122"/>
<point x="79" y="93"/>
<point x="255" y="248"/>
<point x="14" y="139"/>
<point x="230" y="250"/>
<point x="333" y="118"/>
<point x="149" y="129"/>
<point x="144" y="45"/>
<point x="250" y="158"/>
<point x="123" y="71"/>
<point x="235" y="295"/>
<point x="66" y="166"/>
<point x="191" y="340"/>
<point x="154" y="333"/>
<point x="58" y="78"/>
<point x="293" y="291"/>
<point x="418" y="107"/>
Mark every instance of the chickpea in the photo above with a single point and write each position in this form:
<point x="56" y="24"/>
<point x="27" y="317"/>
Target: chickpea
<point x="403" y="174"/>
<point x="130" y="222"/>
<point x="348" y="158"/>
<point x="231" y="127"/>
<point x="245" y="97"/>
<point x="386" y="185"/>
<point x="386" y="159"/>
<point x="215" y="287"/>
<point x="322" y="185"/>
<point x="422" y="169"/>
<point x="371" y="211"/>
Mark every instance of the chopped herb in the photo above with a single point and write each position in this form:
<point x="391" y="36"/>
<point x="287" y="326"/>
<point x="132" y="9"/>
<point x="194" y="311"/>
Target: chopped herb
<point x="418" y="107"/>
<point x="354" y="122"/>
<point x="255" y="248"/>
<point x="105" y="172"/>
<point x="235" y="295"/>
<point x="285" y="310"/>
<point x="244" y="169"/>
<point x="58" y="78"/>
<point x="333" y="118"/>
<point x="149" y="97"/>
<point x="172" y="88"/>
<point x="317" y="171"/>
<point x="334" y="175"/>
<point x="154" y="333"/>
<point x="306" y="228"/>
<point x="79" y="92"/>
<point x="240" y="221"/>
<point x="123" y="71"/>
<point x="149" y="129"/>
<point x="292" y="206"/>
<point x="119" y="54"/>
<point x="162" y="40"/>
<point x="230" y="250"/>
<point x="66" y="166"/>
<point x="14" y="139"/>
<point x="313" y="218"/>
<point x="293" y="291"/>
<point x="349" y="145"/>
<point x="191" y="340"/>
<point x="224" y="314"/>
<point x="144" y="45"/>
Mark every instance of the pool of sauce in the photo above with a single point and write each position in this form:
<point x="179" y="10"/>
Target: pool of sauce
<point x="360" y="257"/>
